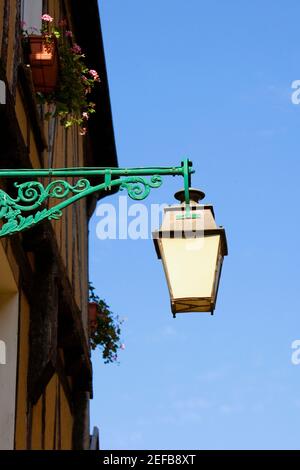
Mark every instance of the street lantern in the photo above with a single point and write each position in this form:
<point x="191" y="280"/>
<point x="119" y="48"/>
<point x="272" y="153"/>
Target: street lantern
<point x="191" y="247"/>
<point x="189" y="242"/>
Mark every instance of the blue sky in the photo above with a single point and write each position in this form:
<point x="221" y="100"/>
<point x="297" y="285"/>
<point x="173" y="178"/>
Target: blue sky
<point x="210" y="80"/>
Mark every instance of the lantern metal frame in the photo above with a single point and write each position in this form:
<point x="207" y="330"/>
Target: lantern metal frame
<point x="174" y="226"/>
<point x="33" y="202"/>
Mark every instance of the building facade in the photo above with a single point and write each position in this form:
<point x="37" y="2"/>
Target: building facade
<point x="45" y="367"/>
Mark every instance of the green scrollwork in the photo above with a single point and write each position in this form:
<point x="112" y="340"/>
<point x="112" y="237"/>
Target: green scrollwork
<point x="30" y="197"/>
<point x="138" y="188"/>
<point x="34" y="192"/>
<point x="28" y="206"/>
<point x="26" y="209"/>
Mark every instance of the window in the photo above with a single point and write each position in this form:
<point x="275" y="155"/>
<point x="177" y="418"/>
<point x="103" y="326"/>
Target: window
<point x="32" y="11"/>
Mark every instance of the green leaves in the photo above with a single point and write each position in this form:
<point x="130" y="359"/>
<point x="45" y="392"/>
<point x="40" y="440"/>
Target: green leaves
<point x="108" y="330"/>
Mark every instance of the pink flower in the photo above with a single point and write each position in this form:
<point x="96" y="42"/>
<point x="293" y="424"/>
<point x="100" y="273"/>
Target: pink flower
<point x="23" y="24"/>
<point x="68" y="34"/>
<point x="83" y="131"/>
<point x="47" y="18"/>
<point x="76" y="49"/>
<point x="94" y="74"/>
<point x="85" y="115"/>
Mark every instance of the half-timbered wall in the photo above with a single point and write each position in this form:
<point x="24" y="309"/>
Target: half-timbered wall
<point x="49" y="264"/>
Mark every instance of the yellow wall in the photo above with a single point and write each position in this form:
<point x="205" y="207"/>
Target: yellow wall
<point x="58" y="419"/>
<point x="36" y="426"/>
<point x="50" y="439"/>
<point x="22" y="421"/>
<point x="67" y="421"/>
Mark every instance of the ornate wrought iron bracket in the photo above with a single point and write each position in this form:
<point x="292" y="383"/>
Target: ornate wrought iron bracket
<point x="34" y="201"/>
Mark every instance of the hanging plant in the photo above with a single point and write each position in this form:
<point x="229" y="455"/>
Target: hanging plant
<point x="69" y="99"/>
<point x="105" y="328"/>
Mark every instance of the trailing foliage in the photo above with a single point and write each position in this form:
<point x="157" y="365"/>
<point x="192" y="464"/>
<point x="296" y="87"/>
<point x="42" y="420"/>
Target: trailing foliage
<point x="108" y="330"/>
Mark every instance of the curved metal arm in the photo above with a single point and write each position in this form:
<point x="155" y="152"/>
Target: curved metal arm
<point x="26" y="209"/>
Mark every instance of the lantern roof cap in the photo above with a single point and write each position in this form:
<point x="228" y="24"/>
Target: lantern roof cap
<point x="196" y="195"/>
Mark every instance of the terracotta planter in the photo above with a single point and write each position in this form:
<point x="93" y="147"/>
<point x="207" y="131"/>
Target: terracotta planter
<point x="93" y="315"/>
<point x="43" y="59"/>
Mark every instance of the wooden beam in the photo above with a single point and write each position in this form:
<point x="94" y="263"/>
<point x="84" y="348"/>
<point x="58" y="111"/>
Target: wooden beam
<point x="5" y="32"/>
<point x="43" y="326"/>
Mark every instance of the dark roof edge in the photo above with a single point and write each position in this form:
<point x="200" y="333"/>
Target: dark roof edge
<point x="88" y="33"/>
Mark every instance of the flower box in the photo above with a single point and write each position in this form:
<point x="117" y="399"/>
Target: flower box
<point x="43" y="59"/>
<point x="93" y="312"/>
